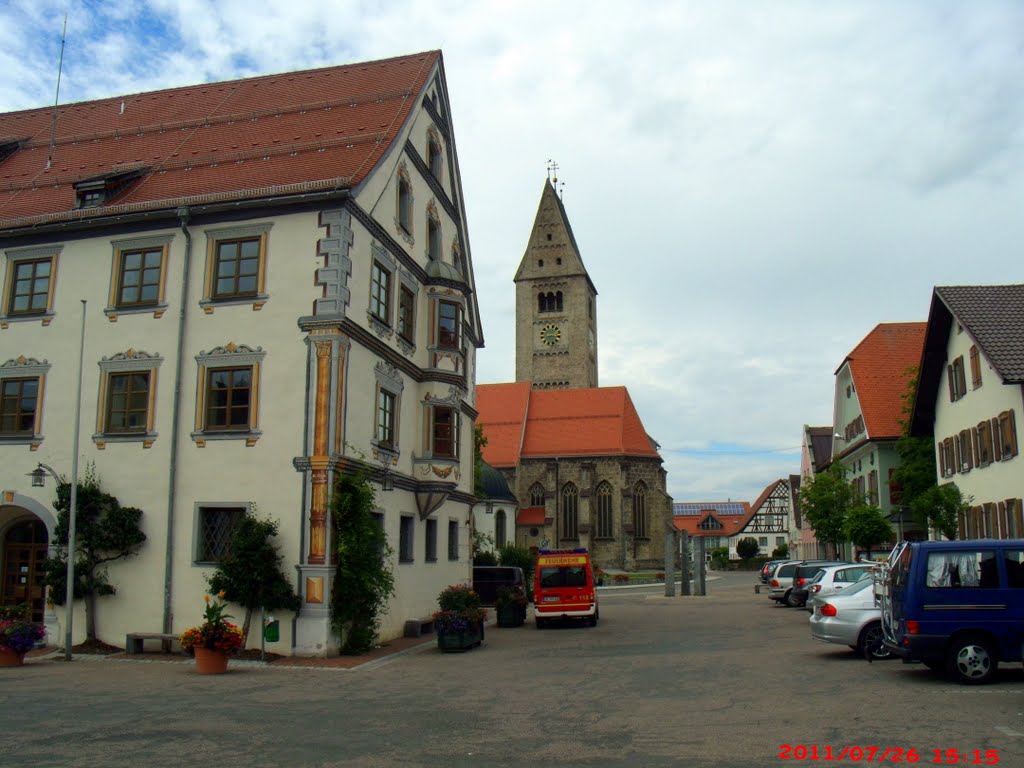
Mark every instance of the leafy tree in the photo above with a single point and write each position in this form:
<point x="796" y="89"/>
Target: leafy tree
<point x="104" y="532"/>
<point x="916" y="473"/>
<point x="479" y="441"/>
<point x="940" y="506"/>
<point x="746" y="547"/>
<point x="483" y="549"/>
<point x="780" y="551"/>
<point x="511" y="556"/>
<point x="867" y="527"/>
<point x="825" y="500"/>
<point x="363" y="580"/>
<point x="719" y="558"/>
<point x="251" y="574"/>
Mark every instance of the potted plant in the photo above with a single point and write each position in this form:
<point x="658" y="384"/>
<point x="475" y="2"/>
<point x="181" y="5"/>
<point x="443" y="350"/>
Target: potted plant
<point x="510" y="606"/>
<point x="213" y="641"/>
<point x="460" y="620"/>
<point x="18" y="635"/>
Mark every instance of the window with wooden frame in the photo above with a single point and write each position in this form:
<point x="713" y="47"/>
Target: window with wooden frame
<point x="29" y="284"/>
<point x="406" y="534"/>
<point x="431" y="543"/>
<point x="404" y="203"/>
<point x="380" y="293"/>
<point x="1015" y="518"/>
<point x="604" y="511"/>
<point x="444" y="432"/>
<point x="640" y="511"/>
<point x="22" y="383"/>
<point x="570" y="511"/>
<point x="965" y="451"/>
<point x="873" y="486"/>
<point x="975" y="367"/>
<point x="127" y="398"/>
<point x="449" y="321"/>
<point x="453" y="539"/>
<point x="227" y="402"/>
<point x="536" y="495"/>
<point x="19" y="406"/>
<point x="215" y="526"/>
<point x="434" y="156"/>
<point x="407" y="314"/>
<point x="236" y="266"/>
<point x="983" y="442"/>
<point x="1007" y="435"/>
<point x="957" y="380"/>
<point x="433" y="239"/>
<point x="385" y="418"/>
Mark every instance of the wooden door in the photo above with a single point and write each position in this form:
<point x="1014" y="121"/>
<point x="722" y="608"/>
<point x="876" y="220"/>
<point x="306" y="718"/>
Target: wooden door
<point x="25" y="547"/>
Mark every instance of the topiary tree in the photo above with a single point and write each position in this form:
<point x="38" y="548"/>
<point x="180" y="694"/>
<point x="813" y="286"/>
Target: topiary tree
<point x="747" y="547"/>
<point x="251" y="574"/>
<point x="363" y="580"/>
<point x="104" y="532"/>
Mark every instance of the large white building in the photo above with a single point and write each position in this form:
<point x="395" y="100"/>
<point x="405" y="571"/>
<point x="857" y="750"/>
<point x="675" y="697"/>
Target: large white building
<point x="277" y="288"/>
<point x="970" y="396"/>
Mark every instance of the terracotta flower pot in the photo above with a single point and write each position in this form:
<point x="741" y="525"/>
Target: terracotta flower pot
<point x="9" y="658"/>
<point x="210" y="662"/>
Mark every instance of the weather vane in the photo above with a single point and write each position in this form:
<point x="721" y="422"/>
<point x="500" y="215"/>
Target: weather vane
<point x="552" y="172"/>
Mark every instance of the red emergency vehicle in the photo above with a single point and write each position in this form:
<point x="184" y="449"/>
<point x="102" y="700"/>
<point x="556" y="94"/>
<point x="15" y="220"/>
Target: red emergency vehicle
<point x="563" y="586"/>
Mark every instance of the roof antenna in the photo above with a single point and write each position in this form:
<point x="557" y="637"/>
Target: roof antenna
<point x="56" y="98"/>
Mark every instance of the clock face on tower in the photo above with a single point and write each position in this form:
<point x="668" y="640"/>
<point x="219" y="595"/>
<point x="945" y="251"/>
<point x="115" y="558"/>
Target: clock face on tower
<point x="550" y="334"/>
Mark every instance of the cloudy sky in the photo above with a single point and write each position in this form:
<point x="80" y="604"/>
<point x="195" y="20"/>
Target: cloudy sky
<point x="753" y="186"/>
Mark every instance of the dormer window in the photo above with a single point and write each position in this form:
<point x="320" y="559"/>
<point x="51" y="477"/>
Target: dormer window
<point x="99" y="190"/>
<point x="8" y="147"/>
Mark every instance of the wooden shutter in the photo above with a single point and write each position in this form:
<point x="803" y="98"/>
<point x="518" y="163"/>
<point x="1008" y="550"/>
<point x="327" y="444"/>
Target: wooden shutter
<point x="997" y="440"/>
<point x="942" y="459"/>
<point x="949" y="379"/>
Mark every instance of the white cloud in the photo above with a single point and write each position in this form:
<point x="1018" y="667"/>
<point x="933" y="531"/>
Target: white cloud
<point x="753" y="187"/>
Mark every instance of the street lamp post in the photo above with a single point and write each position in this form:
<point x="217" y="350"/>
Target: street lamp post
<point x="37" y="481"/>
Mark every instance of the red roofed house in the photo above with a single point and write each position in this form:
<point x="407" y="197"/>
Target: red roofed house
<point x="767" y="520"/>
<point x="278" y="289"/>
<point x="871" y="385"/>
<point x="576" y="456"/>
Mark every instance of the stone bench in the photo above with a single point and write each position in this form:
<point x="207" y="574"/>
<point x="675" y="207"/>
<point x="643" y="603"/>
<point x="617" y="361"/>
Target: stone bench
<point x="133" y="642"/>
<point x="419" y="627"/>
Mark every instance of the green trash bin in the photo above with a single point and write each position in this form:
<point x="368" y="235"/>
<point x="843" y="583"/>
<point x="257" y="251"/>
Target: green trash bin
<point x="272" y="631"/>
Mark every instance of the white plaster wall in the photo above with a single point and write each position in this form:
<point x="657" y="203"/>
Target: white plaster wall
<point x="1002" y="479"/>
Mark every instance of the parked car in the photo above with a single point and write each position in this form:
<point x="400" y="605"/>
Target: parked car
<point x="767" y="568"/>
<point x="955" y="605"/>
<point x="805" y="571"/>
<point x="833" y="579"/>
<point x="488" y="578"/>
<point x="852" y="618"/>
<point x="781" y="581"/>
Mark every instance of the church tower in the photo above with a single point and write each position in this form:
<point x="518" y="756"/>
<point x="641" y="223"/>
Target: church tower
<point x="556" y="305"/>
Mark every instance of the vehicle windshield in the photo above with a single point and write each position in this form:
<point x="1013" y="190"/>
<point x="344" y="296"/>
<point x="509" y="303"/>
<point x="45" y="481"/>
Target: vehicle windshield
<point x="563" y="576"/>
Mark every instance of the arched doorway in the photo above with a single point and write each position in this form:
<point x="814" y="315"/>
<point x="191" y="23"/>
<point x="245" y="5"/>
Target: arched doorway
<point x="24" y="553"/>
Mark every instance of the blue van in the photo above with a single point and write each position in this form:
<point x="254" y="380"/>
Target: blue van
<point x="956" y="606"/>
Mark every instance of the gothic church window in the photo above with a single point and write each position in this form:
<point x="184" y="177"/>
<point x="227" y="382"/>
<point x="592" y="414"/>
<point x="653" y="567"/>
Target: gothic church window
<point x="570" y="512"/>
<point x="640" y="511"/>
<point x="537" y="495"/>
<point x="604" y="511"/>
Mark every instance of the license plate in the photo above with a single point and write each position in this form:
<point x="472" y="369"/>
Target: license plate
<point x="549" y="600"/>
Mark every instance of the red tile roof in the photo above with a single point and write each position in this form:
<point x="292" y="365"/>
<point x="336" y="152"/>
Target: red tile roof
<point x="523" y="423"/>
<point x="731" y="524"/>
<point x="882" y="366"/>
<point x="278" y="134"/>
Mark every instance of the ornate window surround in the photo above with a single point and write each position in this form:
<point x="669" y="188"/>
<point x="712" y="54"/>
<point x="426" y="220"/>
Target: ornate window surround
<point x="130" y="361"/>
<point x="26" y="368"/>
<point x="389" y="380"/>
<point x="15" y="256"/>
<point x="402" y="176"/>
<point x="120" y="248"/>
<point x="213" y="237"/>
<point x="231" y="355"/>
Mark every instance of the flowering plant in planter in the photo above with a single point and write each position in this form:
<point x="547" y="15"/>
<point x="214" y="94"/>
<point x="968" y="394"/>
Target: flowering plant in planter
<point x="17" y="633"/>
<point x="510" y="595"/>
<point x="461" y="609"/>
<point x="215" y="633"/>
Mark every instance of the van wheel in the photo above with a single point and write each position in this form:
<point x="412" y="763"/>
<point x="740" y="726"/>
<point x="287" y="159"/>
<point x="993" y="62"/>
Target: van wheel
<point x="971" y="660"/>
<point x="592" y="620"/>
<point x="790" y="600"/>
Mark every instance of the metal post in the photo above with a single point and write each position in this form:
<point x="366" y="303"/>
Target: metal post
<point x="701" y="564"/>
<point x="69" y="603"/>
<point x="684" y="564"/>
<point x="670" y="560"/>
<point x="263" y="634"/>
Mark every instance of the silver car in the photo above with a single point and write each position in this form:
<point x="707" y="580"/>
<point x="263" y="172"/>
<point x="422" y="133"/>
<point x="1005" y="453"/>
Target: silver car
<point x="851" y="618"/>
<point x="780" y="583"/>
<point x="834" y="579"/>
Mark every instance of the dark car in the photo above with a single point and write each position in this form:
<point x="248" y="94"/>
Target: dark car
<point x="487" y="579"/>
<point x="803" y="575"/>
<point x="767" y="568"/>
